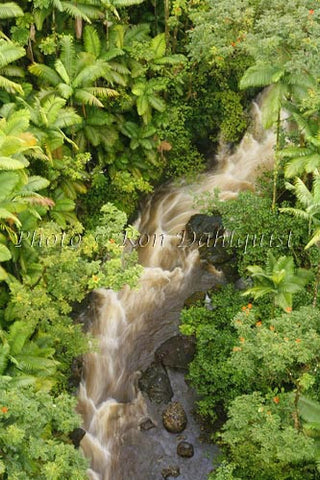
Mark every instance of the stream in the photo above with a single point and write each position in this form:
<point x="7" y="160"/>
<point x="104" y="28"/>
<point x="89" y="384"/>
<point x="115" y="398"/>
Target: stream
<point x="131" y="324"/>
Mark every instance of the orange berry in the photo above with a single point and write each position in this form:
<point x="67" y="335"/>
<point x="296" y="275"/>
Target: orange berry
<point x="276" y="399"/>
<point x="311" y="11"/>
<point x="4" y="409"/>
<point x="259" y="323"/>
<point x="249" y="306"/>
<point x="243" y="309"/>
<point x="242" y="339"/>
<point x="289" y="309"/>
<point x="236" y="349"/>
<point x="298" y="340"/>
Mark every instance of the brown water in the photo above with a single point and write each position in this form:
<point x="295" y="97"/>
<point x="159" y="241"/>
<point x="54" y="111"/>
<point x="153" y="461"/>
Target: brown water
<point x="131" y="324"/>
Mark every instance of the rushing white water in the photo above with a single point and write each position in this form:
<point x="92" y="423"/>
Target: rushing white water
<point x="131" y="324"/>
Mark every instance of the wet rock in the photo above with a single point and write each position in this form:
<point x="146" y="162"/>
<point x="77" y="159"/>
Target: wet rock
<point x="177" y="352"/>
<point x="185" y="450"/>
<point x="243" y="283"/>
<point x="171" y="471"/>
<point x="76" y="436"/>
<point x="208" y="234"/>
<point x="147" y="425"/>
<point x="156" y="384"/>
<point x="200" y="224"/>
<point x="174" y="418"/>
<point x="76" y="372"/>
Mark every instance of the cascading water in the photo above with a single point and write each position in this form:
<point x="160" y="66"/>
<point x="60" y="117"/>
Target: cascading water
<point x="131" y="324"/>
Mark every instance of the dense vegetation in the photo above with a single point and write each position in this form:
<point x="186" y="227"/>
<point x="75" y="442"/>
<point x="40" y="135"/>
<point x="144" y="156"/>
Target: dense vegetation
<point x="101" y="101"/>
<point x="257" y="363"/>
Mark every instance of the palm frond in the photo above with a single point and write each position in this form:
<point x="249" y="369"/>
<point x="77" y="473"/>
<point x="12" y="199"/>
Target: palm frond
<point x="272" y="104"/>
<point x="137" y="33"/>
<point x="83" y="96"/>
<point x="296" y="212"/>
<point x="90" y="73"/>
<point x="302" y="193"/>
<point x="68" y="54"/>
<point x="45" y="73"/>
<point x="12" y="71"/>
<point x="74" y="11"/>
<point x="315" y="239"/>
<point x="10" y="86"/>
<point x="8" y="163"/>
<point x="10" y="52"/>
<point x="91" y="40"/>
<point x="126" y="3"/>
<point x="10" y="10"/>
<point x="60" y="68"/>
<point x="261" y="76"/>
<point x="67" y="118"/>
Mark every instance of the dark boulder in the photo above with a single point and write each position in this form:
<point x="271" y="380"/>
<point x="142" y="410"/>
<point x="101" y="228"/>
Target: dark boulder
<point x="76" y="373"/>
<point x="185" y="450"/>
<point x="156" y="384"/>
<point x="76" y="436"/>
<point x="201" y="224"/>
<point x="177" y="352"/>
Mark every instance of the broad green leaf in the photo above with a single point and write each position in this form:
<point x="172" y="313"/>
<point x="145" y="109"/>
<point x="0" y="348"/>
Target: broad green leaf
<point x="5" y="254"/>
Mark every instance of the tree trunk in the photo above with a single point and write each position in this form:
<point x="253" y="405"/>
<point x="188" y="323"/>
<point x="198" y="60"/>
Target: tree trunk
<point x="166" y="20"/>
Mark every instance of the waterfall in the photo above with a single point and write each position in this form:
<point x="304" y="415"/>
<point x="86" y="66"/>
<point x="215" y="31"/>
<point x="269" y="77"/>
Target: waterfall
<point x="129" y="325"/>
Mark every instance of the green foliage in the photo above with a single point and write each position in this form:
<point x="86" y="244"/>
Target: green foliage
<point x="34" y="439"/>
<point x="271" y="352"/>
<point x="254" y="229"/>
<point x="209" y="372"/>
<point x="309" y="201"/>
<point x="263" y="442"/>
<point x="278" y="279"/>
<point x="9" y="10"/>
<point x="9" y="53"/>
